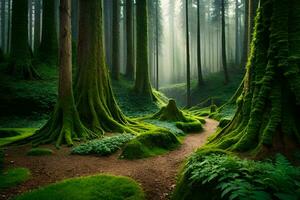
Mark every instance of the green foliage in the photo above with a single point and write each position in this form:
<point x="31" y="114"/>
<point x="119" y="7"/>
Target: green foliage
<point x="151" y="143"/>
<point x="190" y="127"/>
<point x="88" y="188"/>
<point x="229" y="177"/>
<point x="13" y="177"/>
<point x="103" y="147"/>
<point x="39" y="152"/>
<point x="171" y="126"/>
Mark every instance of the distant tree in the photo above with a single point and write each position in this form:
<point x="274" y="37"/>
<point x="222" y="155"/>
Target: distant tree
<point x="224" y="56"/>
<point x="116" y="41"/>
<point x="188" y="67"/>
<point x="142" y="82"/>
<point x="94" y="97"/>
<point x="268" y="115"/>
<point x="199" y="64"/>
<point x="48" y="50"/>
<point x="129" y="40"/>
<point x="37" y="25"/>
<point x="20" y="54"/>
<point x="64" y="124"/>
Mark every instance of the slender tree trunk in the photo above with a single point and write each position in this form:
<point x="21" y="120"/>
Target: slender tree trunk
<point x="8" y="31"/>
<point x="156" y="44"/>
<point x="116" y="40"/>
<point x="224" y="56"/>
<point x="21" y="65"/>
<point x="48" y="51"/>
<point x="37" y="25"/>
<point x="246" y="44"/>
<point x="237" y="39"/>
<point x="3" y="32"/>
<point x="75" y="20"/>
<point x="199" y="64"/>
<point x="267" y="119"/>
<point x="142" y="83"/>
<point x="188" y="67"/>
<point x="64" y="124"/>
<point x="129" y="40"/>
<point x="95" y="101"/>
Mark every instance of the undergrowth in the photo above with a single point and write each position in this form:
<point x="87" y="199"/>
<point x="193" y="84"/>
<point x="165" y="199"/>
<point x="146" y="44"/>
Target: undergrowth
<point x="222" y="176"/>
<point x="103" y="147"/>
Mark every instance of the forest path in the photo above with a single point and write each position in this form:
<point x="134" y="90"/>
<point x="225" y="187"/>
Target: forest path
<point x="157" y="175"/>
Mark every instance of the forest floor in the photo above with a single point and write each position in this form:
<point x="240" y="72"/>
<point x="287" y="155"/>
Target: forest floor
<point x="157" y="175"/>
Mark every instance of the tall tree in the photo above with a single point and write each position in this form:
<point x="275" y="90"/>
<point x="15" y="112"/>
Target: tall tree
<point x="37" y="25"/>
<point x="246" y="44"/>
<point x="142" y="82"/>
<point x="156" y="43"/>
<point x="64" y="124"/>
<point x="188" y="67"/>
<point x="268" y="114"/>
<point x="199" y="64"/>
<point x="116" y="41"/>
<point x="20" y="54"/>
<point x="237" y="39"/>
<point x="224" y="55"/>
<point x="94" y="97"/>
<point x="129" y="40"/>
<point x="48" y="50"/>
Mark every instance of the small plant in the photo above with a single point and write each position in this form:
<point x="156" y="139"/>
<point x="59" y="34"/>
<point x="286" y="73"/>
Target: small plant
<point x="39" y="152"/>
<point x="229" y="177"/>
<point x="103" y="147"/>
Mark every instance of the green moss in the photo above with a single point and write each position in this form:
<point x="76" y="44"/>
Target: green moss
<point x="23" y="133"/>
<point x="40" y="152"/>
<point x="151" y="143"/>
<point x="190" y="127"/>
<point x="88" y="188"/>
<point x="13" y="177"/>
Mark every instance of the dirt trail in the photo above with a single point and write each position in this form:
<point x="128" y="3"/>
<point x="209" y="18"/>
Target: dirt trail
<point x="157" y="175"/>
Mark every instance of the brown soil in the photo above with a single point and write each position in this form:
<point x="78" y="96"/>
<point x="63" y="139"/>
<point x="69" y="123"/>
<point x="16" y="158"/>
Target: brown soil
<point x="157" y="175"/>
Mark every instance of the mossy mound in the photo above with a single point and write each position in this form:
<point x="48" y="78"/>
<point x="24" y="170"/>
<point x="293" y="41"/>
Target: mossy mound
<point x="88" y="188"/>
<point x="150" y="144"/>
<point x="13" y="177"/>
<point x="39" y="152"/>
<point x="190" y="127"/>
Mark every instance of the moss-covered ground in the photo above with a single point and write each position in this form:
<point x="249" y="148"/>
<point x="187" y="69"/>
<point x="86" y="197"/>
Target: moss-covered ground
<point x="13" y="177"/>
<point x="88" y="188"/>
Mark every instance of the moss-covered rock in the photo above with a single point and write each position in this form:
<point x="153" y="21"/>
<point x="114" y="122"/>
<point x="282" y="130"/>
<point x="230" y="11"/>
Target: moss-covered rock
<point x="190" y="127"/>
<point x="149" y="144"/>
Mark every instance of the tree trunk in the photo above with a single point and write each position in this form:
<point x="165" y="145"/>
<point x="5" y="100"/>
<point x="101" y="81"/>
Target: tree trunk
<point x="142" y="82"/>
<point x="156" y="44"/>
<point x="3" y="32"/>
<point x="246" y="44"/>
<point x="188" y="67"/>
<point x="199" y="64"/>
<point x="224" y="56"/>
<point x="253" y="5"/>
<point x="237" y="39"/>
<point x="48" y="50"/>
<point x="64" y="125"/>
<point x="37" y="25"/>
<point x="268" y="114"/>
<point x="129" y="40"/>
<point x="116" y="41"/>
<point x="94" y="97"/>
<point x="75" y="20"/>
<point x="21" y="65"/>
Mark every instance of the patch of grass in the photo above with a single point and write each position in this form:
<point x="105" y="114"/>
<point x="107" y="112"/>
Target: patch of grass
<point x="190" y="127"/>
<point x="223" y="176"/>
<point x="103" y="147"/>
<point x="13" y="177"/>
<point x="149" y="144"/>
<point x="23" y="133"/>
<point x="213" y="88"/>
<point x="39" y="152"/>
<point x="89" y="188"/>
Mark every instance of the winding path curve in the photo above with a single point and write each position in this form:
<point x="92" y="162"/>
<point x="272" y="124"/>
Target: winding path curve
<point x="157" y="175"/>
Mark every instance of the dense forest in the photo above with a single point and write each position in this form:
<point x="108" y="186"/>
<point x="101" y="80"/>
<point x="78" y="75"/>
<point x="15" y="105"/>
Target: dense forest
<point x="150" y="99"/>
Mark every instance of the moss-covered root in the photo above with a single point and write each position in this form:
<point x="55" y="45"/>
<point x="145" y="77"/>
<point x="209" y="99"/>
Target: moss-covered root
<point x="170" y="113"/>
<point x="63" y="127"/>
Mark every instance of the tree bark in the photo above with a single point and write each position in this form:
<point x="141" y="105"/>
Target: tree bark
<point x="188" y="67"/>
<point x="48" y="50"/>
<point x="129" y="40"/>
<point x="142" y="82"/>
<point x="116" y="41"/>
<point x="94" y="97"/>
<point x="267" y="118"/>
<point x="224" y="56"/>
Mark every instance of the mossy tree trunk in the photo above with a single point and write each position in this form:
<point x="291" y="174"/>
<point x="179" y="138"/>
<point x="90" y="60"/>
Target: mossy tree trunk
<point x="94" y="97"/>
<point x="129" y="40"/>
<point x="48" y="50"/>
<point x="20" y="54"/>
<point x="64" y="125"/>
<point x="268" y="114"/>
<point x="142" y="81"/>
<point x="115" y="71"/>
